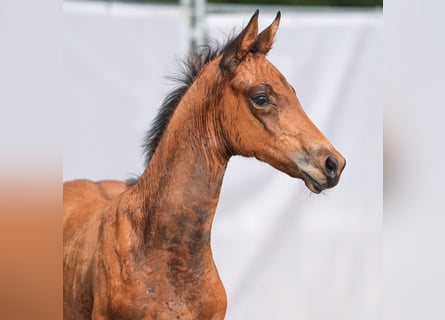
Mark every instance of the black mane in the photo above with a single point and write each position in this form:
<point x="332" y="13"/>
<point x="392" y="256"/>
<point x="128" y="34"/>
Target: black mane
<point x="191" y="67"/>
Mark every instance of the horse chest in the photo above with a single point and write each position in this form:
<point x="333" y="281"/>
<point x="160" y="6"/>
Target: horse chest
<point x="166" y="290"/>
<point x="167" y="309"/>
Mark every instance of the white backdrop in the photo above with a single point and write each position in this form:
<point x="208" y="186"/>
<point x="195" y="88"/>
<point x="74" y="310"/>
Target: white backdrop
<point x="282" y="252"/>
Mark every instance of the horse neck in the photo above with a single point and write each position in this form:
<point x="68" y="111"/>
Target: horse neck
<point x="181" y="185"/>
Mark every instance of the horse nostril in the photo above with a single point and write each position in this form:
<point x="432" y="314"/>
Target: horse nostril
<point x="331" y="166"/>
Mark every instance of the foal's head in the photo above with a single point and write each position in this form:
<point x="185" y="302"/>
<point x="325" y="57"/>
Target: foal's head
<point x="263" y="117"/>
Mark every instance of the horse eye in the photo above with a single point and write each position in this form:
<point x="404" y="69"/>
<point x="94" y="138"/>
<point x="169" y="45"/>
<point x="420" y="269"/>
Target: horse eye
<point x="261" y="100"/>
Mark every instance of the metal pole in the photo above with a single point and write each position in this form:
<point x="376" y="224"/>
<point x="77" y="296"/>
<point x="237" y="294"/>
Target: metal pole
<point x="195" y="11"/>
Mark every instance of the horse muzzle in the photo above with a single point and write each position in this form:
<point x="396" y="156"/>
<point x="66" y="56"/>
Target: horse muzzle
<point x="320" y="175"/>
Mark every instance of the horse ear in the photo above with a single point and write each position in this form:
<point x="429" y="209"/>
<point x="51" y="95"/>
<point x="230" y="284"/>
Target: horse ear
<point x="241" y="45"/>
<point x="265" y="39"/>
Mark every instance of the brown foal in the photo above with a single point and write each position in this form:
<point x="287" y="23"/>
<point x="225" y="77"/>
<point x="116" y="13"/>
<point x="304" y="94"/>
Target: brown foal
<point x="142" y="250"/>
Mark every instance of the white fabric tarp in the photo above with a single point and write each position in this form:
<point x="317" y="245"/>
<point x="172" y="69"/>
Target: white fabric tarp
<point x="282" y="252"/>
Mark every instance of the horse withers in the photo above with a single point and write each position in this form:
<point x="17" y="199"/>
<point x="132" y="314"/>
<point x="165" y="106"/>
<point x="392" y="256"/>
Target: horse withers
<point x="142" y="250"/>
